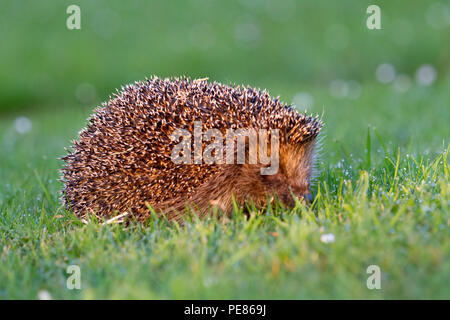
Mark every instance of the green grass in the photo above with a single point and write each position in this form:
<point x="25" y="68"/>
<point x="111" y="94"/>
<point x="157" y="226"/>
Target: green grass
<point x="383" y="192"/>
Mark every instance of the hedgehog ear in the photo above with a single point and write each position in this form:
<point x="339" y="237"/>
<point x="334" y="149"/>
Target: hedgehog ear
<point x="296" y="159"/>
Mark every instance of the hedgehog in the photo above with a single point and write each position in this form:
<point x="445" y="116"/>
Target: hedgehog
<point x="127" y="159"/>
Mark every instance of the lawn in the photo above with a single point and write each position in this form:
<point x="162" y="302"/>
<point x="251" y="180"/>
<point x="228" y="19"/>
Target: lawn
<point x="382" y="197"/>
<point x="379" y="201"/>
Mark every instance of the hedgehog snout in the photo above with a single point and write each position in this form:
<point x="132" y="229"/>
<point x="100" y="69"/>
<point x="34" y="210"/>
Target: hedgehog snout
<point x="303" y="194"/>
<point x="286" y="191"/>
<point x="288" y="197"/>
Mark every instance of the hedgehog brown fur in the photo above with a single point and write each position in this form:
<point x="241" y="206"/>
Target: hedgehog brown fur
<point x="122" y="160"/>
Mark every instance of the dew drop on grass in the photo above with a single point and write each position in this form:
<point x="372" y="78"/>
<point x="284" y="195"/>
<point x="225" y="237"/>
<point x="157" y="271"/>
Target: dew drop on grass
<point x="385" y="73"/>
<point x="22" y="125"/>
<point x="208" y="281"/>
<point x="327" y="238"/>
<point x="426" y="75"/>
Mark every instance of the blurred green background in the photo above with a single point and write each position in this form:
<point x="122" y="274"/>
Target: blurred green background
<point x="316" y="54"/>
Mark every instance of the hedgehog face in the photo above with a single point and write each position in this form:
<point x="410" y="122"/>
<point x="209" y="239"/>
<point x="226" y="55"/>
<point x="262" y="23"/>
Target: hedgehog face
<point x="292" y="180"/>
<point x="294" y="176"/>
<point x="285" y="189"/>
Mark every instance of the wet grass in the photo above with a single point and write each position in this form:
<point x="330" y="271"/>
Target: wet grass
<point x="382" y="199"/>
